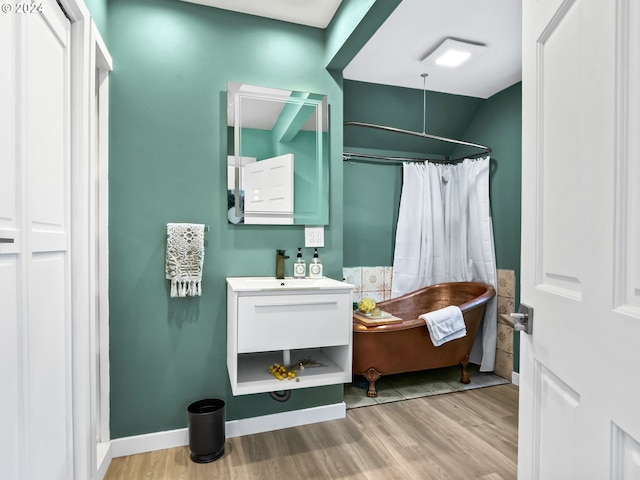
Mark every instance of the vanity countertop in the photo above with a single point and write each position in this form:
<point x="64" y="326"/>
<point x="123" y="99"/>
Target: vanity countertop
<point x="259" y="284"/>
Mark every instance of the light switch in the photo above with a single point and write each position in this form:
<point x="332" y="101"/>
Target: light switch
<point x="314" y="236"/>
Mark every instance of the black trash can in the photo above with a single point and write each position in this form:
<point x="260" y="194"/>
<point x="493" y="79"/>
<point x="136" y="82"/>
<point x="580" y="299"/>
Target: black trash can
<point x="206" y="430"/>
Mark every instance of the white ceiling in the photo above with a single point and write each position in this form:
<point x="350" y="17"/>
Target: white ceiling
<point x="393" y="56"/>
<point x="313" y="13"/>
<point x="395" y="53"/>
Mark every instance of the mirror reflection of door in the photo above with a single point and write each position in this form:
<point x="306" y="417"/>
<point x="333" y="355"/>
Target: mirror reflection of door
<point x="269" y="191"/>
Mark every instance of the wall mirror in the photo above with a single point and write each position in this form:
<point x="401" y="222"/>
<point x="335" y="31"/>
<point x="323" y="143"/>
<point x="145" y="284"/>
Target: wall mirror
<point x="278" y="157"/>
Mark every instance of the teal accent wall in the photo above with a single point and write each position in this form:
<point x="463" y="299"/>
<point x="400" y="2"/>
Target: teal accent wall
<point x="256" y="143"/>
<point x="498" y="124"/>
<point x="168" y="147"/>
<point x="446" y="115"/>
<point x="349" y="16"/>
<point x="98" y="11"/>
<point x="352" y="27"/>
<point x="371" y="200"/>
<point x="372" y="190"/>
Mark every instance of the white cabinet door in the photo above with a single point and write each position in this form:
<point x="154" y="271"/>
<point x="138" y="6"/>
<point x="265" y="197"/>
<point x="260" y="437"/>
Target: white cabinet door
<point x="35" y="312"/>
<point x="579" y="392"/>
<point x="282" y="322"/>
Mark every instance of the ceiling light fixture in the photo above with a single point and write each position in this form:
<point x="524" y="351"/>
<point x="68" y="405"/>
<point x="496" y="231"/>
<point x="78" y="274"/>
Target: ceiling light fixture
<point x="453" y="58"/>
<point x="453" y="53"/>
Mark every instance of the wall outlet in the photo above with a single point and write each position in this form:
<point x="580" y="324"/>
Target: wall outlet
<point x="314" y="236"/>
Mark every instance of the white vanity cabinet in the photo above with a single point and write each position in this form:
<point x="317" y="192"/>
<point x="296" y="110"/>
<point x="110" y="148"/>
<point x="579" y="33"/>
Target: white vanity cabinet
<point x="285" y="321"/>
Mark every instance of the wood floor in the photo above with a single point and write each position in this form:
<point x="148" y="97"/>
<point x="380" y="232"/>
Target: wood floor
<point x="463" y="435"/>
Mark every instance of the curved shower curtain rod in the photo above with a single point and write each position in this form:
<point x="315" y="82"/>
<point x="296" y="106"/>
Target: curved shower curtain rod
<point x="349" y="156"/>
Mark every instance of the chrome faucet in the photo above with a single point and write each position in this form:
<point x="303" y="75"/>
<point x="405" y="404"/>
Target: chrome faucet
<point x="280" y="258"/>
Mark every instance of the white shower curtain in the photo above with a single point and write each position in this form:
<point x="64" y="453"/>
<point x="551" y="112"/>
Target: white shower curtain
<point x="445" y="234"/>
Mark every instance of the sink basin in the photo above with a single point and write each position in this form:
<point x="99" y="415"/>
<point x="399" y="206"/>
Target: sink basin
<point x="257" y="284"/>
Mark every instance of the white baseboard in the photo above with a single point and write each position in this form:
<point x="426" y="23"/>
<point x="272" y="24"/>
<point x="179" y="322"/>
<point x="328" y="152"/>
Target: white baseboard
<point x="121" y="447"/>
<point x="515" y="378"/>
<point x="149" y="442"/>
<point x="104" y="459"/>
<point x="277" y="421"/>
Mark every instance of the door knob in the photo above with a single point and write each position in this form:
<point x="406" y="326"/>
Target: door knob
<point x="519" y="320"/>
<point x="523" y="319"/>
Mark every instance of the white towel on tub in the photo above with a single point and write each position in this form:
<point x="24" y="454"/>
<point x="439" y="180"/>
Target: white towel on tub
<point x="445" y="324"/>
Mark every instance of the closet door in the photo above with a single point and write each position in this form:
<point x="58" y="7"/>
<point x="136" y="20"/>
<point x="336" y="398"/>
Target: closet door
<point x="34" y="258"/>
<point x="10" y="241"/>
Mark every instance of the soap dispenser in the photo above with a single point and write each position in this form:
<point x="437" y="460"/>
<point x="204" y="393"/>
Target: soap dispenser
<point x="315" y="268"/>
<point x="299" y="267"/>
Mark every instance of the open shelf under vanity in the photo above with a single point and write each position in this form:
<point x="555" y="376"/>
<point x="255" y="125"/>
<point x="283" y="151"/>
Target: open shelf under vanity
<point x="253" y="370"/>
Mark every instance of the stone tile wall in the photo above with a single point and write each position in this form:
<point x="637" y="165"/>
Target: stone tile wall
<point x="372" y="282"/>
<point x="506" y="305"/>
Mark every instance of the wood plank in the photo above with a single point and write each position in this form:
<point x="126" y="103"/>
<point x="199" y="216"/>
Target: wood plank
<point x="463" y="435"/>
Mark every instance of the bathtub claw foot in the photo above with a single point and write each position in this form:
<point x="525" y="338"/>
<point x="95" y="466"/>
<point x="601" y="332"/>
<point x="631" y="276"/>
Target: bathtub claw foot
<point x="372" y="375"/>
<point x="464" y="375"/>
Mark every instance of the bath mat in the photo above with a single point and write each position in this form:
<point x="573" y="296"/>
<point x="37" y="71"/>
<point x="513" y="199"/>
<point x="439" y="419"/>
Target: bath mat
<point x="405" y="386"/>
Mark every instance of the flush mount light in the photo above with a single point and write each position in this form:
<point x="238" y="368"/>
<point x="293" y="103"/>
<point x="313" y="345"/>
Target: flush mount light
<point x="453" y="53"/>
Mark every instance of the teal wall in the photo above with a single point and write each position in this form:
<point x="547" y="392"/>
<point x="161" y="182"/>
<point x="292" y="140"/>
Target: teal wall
<point x="371" y="199"/>
<point x="98" y="11"/>
<point x="446" y="115"/>
<point x="498" y="124"/>
<point x="372" y="190"/>
<point x="168" y="146"/>
<point x="351" y="27"/>
<point x="342" y="26"/>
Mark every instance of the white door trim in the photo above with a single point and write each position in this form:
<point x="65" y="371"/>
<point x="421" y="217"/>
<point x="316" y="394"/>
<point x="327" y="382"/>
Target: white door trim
<point x="87" y="48"/>
<point x="101" y="64"/>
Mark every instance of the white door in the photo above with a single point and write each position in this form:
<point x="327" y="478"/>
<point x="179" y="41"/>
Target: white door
<point x="35" y="311"/>
<point x="10" y="243"/>
<point x="579" y="388"/>
<point x="268" y="194"/>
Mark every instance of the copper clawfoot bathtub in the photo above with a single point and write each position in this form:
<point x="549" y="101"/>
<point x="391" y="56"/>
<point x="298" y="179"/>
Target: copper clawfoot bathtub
<point x="406" y="346"/>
